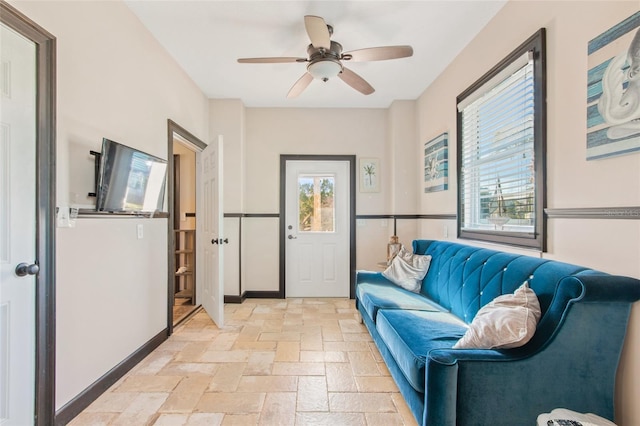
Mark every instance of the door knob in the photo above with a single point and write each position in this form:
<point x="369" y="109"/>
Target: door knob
<point x="214" y="241"/>
<point x="220" y="241"/>
<point x="24" y="269"/>
<point x="291" y="237"/>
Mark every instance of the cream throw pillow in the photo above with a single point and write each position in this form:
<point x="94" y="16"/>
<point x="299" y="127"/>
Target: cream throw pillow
<point x="508" y="321"/>
<point x="407" y="270"/>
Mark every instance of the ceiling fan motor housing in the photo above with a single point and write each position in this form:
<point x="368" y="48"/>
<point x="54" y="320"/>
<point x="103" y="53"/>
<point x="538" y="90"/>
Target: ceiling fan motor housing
<point x="324" y="64"/>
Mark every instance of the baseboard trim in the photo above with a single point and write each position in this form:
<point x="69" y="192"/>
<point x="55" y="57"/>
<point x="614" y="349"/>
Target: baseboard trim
<point x="235" y="299"/>
<point x="74" y="407"/>
<point x="263" y="295"/>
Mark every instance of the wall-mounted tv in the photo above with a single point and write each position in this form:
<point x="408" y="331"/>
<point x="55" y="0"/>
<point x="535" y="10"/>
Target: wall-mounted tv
<point x="129" y="180"/>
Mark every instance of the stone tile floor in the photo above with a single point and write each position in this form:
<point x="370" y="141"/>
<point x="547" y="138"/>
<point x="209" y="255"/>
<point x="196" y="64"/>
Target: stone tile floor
<point x="275" y="362"/>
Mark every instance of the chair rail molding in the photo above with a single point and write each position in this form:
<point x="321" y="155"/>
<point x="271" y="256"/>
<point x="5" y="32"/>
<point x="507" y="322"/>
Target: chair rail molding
<point x="594" y="213"/>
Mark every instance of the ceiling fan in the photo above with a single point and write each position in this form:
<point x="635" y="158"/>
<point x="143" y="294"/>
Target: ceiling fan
<point x="326" y="57"/>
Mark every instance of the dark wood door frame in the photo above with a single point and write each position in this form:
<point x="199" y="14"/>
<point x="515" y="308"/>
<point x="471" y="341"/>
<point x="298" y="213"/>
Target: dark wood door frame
<point x="174" y="128"/>
<point x="352" y="214"/>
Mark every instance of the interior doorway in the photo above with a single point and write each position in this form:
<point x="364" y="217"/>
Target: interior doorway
<point x="182" y="151"/>
<point x="184" y="227"/>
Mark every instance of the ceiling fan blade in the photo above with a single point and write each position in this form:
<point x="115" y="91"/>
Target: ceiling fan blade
<point x="318" y="32"/>
<point x="355" y="81"/>
<point x="300" y="85"/>
<point x="275" y="60"/>
<point x="378" y="53"/>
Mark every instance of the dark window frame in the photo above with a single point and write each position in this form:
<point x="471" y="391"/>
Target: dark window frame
<point x="536" y="44"/>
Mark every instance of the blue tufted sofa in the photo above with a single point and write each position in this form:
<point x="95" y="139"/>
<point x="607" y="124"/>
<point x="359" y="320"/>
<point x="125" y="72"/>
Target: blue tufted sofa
<point x="570" y="362"/>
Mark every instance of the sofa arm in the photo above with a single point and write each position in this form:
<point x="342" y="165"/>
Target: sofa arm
<point x="598" y="286"/>
<point x="574" y="366"/>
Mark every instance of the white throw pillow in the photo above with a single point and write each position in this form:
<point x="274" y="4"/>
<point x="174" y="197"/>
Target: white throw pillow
<point x="407" y="270"/>
<point x="508" y="321"/>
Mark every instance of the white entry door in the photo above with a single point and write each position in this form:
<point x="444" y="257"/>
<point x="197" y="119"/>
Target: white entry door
<point x="317" y="229"/>
<point x="209" y="222"/>
<point x="17" y="228"/>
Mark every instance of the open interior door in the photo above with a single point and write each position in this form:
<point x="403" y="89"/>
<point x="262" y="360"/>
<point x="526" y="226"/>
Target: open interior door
<point x="209" y="232"/>
<point x="18" y="265"/>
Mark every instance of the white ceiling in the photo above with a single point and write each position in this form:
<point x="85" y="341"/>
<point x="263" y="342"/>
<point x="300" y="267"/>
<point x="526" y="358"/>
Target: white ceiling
<point x="207" y="37"/>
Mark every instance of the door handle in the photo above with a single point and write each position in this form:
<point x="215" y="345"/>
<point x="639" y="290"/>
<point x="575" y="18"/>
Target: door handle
<point x="291" y="237"/>
<point x="220" y="241"/>
<point x="25" y="269"/>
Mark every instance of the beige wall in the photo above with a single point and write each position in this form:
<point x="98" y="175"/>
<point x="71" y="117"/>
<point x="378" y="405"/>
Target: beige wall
<point x="187" y="184"/>
<point x="114" y="81"/>
<point x="270" y="132"/>
<point x="227" y="118"/>
<point x="403" y="179"/>
<point x="274" y="131"/>
<point x="254" y="139"/>
<point x="609" y="245"/>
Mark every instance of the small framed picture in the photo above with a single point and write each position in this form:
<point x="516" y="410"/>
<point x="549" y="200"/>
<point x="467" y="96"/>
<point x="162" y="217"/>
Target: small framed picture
<point x="369" y="175"/>
<point x="436" y="164"/>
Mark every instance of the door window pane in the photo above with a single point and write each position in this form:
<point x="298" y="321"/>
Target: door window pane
<point x="316" y="210"/>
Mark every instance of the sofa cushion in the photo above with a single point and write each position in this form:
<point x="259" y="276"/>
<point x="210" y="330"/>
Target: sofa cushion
<point x="508" y="321"/>
<point x="407" y="270"/>
<point x="411" y="335"/>
<point x="375" y="296"/>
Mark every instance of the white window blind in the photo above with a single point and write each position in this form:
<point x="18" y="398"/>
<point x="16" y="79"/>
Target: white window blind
<point x="497" y="152"/>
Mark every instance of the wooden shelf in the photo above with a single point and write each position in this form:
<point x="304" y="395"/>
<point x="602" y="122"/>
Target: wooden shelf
<point x="185" y="243"/>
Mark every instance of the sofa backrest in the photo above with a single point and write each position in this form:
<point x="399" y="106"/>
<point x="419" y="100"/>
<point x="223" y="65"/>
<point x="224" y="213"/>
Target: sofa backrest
<point x="464" y="278"/>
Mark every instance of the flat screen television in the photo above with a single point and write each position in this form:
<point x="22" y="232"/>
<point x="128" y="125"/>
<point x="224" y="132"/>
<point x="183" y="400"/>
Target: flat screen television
<point x="129" y="180"/>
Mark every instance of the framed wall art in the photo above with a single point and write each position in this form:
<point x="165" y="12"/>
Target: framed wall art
<point x="613" y="91"/>
<point x="436" y="164"/>
<point x="369" y="175"/>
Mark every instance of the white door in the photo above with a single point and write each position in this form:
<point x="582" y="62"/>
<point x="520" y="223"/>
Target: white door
<point x="210" y="270"/>
<point x="17" y="228"/>
<point x="317" y="229"/>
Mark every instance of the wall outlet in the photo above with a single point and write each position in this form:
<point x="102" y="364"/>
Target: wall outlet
<point x="140" y="231"/>
<point x="445" y="231"/>
<point x="384" y="223"/>
<point x="361" y="222"/>
<point x="63" y="217"/>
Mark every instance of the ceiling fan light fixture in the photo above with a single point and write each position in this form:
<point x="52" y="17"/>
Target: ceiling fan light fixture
<point x="324" y="69"/>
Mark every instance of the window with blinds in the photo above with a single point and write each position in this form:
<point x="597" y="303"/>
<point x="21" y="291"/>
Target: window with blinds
<point x="501" y="151"/>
